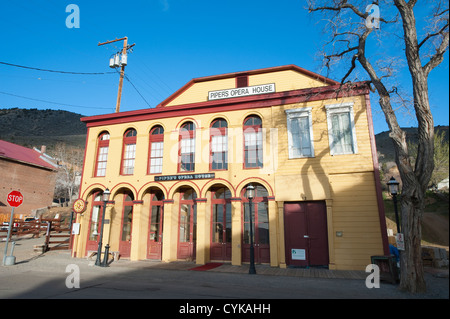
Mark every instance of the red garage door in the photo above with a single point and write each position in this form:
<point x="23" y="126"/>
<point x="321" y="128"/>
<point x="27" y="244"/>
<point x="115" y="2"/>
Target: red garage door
<point x="306" y="234"/>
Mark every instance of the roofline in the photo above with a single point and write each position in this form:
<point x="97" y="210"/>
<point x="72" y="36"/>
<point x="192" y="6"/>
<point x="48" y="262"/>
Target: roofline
<point x="251" y="72"/>
<point x="28" y="163"/>
<point x="245" y="102"/>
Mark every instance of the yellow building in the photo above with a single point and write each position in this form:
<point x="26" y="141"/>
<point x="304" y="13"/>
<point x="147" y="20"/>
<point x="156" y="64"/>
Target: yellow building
<point x="178" y="174"/>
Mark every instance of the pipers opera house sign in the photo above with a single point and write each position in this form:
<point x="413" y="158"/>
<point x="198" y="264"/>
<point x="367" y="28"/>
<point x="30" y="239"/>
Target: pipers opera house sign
<point x="184" y="177"/>
<point x="243" y="91"/>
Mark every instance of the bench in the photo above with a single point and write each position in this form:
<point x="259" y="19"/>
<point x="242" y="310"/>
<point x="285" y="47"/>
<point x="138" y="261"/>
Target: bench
<point x="92" y="253"/>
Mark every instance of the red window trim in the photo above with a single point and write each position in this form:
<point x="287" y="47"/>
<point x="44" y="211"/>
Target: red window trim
<point x="159" y="137"/>
<point x="255" y="128"/>
<point x="217" y="131"/>
<point x="100" y="143"/>
<point x="186" y="134"/>
<point x="127" y="141"/>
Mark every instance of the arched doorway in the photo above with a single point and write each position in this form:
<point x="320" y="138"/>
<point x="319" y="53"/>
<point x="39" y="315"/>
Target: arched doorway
<point x="260" y="220"/>
<point x="155" y="228"/>
<point x="220" y="248"/>
<point x="126" y="224"/>
<point x="94" y="220"/>
<point x="187" y="234"/>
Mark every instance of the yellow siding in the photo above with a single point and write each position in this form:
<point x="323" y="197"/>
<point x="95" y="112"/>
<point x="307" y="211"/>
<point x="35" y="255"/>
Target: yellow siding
<point x="199" y="91"/>
<point x="345" y="182"/>
<point x="355" y="214"/>
<point x="285" y="80"/>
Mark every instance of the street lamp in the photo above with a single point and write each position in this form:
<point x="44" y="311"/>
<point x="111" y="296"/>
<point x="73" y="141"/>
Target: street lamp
<point x="393" y="189"/>
<point x="105" y="199"/>
<point x="250" y="196"/>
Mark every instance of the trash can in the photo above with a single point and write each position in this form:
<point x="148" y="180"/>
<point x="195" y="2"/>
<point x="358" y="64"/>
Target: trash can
<point x="388" y="268"/>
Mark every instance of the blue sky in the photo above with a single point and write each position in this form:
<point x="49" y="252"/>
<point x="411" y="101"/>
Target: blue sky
<point x="176" y="40"/>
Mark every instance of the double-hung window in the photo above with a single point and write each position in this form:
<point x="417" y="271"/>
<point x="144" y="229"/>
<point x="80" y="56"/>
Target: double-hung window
<point x="300" y="136"/>
<point x="187" y="148"/>
<point x="156" y="150"/>
<point x="341" y="129"/>
<point x="129" y="152"/>
<point x="253" y="142"/>
<point x="102" y="154"/>
<point x="219" y="145"/>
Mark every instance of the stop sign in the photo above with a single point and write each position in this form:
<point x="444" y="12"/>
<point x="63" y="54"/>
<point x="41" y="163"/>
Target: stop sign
<point x="15" y="199"/>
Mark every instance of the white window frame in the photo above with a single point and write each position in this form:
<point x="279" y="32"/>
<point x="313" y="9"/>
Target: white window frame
<point x="341" y="108"/>
<point x="293" y="114"/>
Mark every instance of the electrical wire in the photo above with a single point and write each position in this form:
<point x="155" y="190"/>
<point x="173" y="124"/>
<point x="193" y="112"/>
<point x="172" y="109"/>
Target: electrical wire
<point x="54" y="71"/>
<point x="128" y="79"/>
<point x="72" y="105"/>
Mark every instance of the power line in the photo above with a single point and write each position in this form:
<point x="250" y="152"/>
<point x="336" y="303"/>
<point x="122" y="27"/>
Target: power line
<point x="128" y="79"/>
<point x="57" y="103"/>
<point x="54" y="71"/>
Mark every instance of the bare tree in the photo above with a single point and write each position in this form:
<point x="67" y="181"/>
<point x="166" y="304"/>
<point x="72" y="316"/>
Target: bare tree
<point x="70" y="161"/>
<point x="351" y="27"/>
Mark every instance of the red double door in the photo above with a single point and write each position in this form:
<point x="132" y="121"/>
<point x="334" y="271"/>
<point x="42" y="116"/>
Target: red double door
<point x="155" y="237"/>
<point x="306" y="238"/>
<point x="221" y="225"/>
<point x="187" y="232"/>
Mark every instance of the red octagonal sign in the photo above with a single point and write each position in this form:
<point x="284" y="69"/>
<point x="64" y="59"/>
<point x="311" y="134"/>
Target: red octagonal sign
<point x="14" y="199"/>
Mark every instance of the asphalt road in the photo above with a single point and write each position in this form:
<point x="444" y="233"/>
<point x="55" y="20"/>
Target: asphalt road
<point x="56" y="275"/>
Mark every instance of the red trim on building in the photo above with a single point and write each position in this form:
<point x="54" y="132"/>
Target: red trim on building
<point x="233" y="104"/>
<point x="376" y="173"/>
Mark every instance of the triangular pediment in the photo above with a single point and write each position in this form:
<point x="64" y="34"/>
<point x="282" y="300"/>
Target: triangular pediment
<point x="256" y="82"/>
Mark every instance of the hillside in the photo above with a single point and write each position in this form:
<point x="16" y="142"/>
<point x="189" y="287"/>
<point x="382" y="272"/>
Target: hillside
<point x="33" y="127"/>
<point x="385" y="146"/>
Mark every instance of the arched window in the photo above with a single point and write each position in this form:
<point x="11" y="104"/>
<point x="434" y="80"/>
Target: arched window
<point x="129" y="152"/>
<point x="156" y="147"/>
<point x="253" y="142"/>
<point x="219" y="145"/>
<point x="186" y="161"/>
<point x="102" y="154"/>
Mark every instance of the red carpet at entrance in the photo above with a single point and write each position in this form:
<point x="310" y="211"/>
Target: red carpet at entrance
<point x="207" y="266"/>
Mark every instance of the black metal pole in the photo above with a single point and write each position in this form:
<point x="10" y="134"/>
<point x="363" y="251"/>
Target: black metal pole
<point x="99" y="249"/>
<point x="252" y="269"/>
<point x="105" y="258"/>
<point x="394" y="197"/>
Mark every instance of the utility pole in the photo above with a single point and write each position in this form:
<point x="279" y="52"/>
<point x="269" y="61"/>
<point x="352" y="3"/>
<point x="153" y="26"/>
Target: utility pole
<point x="122" y="69"/>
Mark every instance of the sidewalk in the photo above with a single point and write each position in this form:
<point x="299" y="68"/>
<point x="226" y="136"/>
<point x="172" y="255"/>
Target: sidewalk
<point x="23" y="251"/>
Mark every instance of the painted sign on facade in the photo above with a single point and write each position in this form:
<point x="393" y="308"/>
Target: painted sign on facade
<point x="243" y="91"/>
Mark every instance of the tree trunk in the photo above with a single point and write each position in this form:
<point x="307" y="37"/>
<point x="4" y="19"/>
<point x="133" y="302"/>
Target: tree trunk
<point x="415" y="182"/>
<point x="412" y="274"/>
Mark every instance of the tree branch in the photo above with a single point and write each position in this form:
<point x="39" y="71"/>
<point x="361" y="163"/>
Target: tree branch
<point x="430" y="35"/>
<point x="438" y="57"/>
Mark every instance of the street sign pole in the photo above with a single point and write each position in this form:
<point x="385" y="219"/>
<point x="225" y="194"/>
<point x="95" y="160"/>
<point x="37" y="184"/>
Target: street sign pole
<point x="14" y="199"/>
<point x="7" y="237"/>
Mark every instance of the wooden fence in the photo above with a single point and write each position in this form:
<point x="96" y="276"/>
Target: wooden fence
<point x="57" y="235"/>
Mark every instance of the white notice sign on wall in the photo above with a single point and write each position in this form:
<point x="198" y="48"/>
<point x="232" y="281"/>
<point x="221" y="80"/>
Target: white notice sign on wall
<point x="298" y="254"/>
<point x="76" y="229"/>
